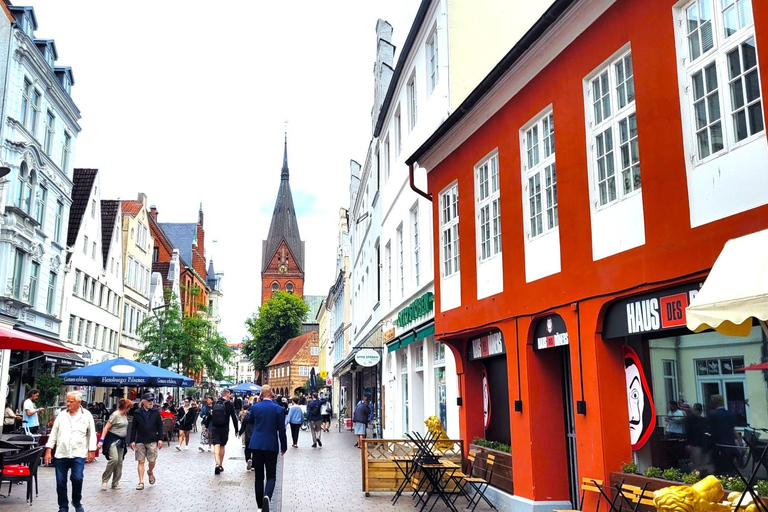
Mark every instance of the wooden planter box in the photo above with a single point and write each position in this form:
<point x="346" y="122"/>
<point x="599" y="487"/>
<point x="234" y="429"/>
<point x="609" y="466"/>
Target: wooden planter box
<point x="502" y="472"/>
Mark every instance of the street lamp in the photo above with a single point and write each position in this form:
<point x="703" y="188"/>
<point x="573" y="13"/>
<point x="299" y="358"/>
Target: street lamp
<point x="161" y="321"/>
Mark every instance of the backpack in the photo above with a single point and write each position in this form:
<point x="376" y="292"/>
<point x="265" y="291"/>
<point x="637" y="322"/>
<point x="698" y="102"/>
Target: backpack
<point x="219" y="414"/>
<point x="314" y="410"/>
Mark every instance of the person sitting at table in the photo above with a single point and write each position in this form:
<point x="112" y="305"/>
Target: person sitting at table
<point x="9" y="420"/>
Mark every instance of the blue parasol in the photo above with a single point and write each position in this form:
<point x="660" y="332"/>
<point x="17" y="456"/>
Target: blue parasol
<point x="121" y="372"/>
<point x="246" y="387"/>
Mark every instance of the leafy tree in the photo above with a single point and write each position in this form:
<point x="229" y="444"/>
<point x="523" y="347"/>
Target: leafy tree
<point x="50" y="385"/>
<point x="172" y="336"/>
<point x="277" y="321"/>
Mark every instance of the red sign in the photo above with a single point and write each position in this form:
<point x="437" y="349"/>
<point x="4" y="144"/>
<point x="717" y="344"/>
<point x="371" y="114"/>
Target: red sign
<point x="673" y="310"/>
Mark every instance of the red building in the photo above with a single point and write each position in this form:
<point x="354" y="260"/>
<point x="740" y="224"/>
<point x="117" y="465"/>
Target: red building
<point x="553" y="260"/>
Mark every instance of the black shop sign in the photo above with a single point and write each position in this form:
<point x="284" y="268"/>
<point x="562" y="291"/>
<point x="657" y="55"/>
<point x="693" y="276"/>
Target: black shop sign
<point x="550" y="332"/>
<point x="651" y="312"/>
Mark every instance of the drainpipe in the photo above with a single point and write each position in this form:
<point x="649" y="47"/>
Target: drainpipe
<point x="423" y="194"/>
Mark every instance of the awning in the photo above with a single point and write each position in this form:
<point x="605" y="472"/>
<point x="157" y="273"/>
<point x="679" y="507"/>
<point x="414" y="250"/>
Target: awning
<point x="736" y="290"/>
<point x="407" y="340"/>
<point x="63" y="359"/>
<point x="426" y="331"/>
<point x="393" y="346"/>
<point x="13" y="339"/>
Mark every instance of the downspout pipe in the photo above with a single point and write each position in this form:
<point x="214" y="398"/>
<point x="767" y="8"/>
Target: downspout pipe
<point x="423" y="194"/>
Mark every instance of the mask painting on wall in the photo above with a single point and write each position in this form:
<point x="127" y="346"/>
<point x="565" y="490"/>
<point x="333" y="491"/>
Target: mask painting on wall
<point x="642" y="412"/>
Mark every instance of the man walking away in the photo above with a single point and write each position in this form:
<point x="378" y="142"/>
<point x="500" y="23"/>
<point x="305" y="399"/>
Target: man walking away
<point x="326" y="412"/>
<point x="267" y="440"/>
<point x="220" y="413"/>
<point x="246" y="430"/>
<point x="238" y="403"/>
<point x="315" y="417"/>
<point x="295" y="418"/>
<point x="360" y="419"/>
<point x="74" y="436"/>
<point x="147" y="437"/>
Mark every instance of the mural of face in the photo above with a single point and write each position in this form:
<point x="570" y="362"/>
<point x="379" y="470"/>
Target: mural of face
<point x="486" y="401"/>
<point x="642" y="412"/>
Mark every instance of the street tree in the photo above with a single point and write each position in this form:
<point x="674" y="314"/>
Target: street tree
<point x="278" y="320"/>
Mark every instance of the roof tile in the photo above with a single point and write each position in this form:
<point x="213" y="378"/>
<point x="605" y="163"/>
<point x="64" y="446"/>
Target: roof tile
<point x="82" y="183"/>
<point x="291" y="348"/>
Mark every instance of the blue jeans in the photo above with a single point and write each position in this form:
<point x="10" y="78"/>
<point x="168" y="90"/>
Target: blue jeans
<point x="63" y="466"/>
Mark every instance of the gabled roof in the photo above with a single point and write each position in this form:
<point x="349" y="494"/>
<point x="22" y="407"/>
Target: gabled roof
<point x="42" y="43"/>
<point x="82" y="183"/>
<point x="181" y="235"/>
<point x="163" y="268"/>
<point x="291" y="348"/>
<point x="163" y="238"/>
<point x="109" y="212"/>
<point x="284" y="225"/>
<point x="132" y="208"/>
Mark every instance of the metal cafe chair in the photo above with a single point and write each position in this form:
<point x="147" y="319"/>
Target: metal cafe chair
<point x="592" y="485"/>
<point x="480" y="484"/>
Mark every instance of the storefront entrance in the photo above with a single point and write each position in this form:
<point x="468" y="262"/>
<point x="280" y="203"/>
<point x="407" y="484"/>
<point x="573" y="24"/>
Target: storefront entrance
<point x="489" y="350"/>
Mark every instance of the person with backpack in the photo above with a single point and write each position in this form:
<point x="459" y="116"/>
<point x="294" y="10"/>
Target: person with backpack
<point x="205" y="423"/>
<point x="315" y="417"/>
<point x="221" y="412"/>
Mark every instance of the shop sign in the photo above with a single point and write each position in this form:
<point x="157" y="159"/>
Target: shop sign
<point x="416" y="309"/>
<point x="367" y="357"/>
<point x="323" y="374"/>
<point x="651" y="312"/>
<point x="388" y="335"/>
<point x="550" y="332"/>
<point x="489" y="345"/>
<point x="329" y="382"/>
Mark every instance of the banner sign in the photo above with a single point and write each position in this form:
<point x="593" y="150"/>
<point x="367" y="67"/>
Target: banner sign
<point x="416" y="309"/>
<point x="488" y="345"/>
<point x="651" y="312"/>
<point x="550" y="332"/>
<point x="367" y="357"/>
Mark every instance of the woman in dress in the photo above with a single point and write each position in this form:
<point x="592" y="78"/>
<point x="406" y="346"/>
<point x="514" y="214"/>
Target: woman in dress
<point x="113" y="444"/>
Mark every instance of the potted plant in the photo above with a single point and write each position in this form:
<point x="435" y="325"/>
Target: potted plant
<point x="502" y="472"/>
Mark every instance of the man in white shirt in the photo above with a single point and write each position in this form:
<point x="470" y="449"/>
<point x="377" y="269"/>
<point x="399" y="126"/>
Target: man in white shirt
<point x="74" y="436"/>
<point x="675" y="424"/>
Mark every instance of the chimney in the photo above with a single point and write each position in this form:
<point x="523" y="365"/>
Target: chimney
<point x="142" y="198"/>
<point x="153" y="212"/>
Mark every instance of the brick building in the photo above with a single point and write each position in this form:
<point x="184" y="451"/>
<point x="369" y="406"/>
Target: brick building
<point x="290" y="367"/>
<point x="282" y="253"/>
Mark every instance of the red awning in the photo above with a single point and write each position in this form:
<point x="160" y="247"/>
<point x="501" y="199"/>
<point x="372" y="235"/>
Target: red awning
<point x="758" y="366"/>
<point x="18" y="340"/>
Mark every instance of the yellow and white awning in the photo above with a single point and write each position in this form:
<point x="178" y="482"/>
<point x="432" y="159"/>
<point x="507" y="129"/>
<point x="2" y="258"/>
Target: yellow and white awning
<point x="736" y="290"/>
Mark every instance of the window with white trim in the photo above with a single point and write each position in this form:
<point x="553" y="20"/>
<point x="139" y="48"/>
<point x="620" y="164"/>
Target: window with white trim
<point x="65" y="149"/>
<point x="30" y="106"/>
<point x="411" y="93"/>
<point x="50" y="129"/>
<point x="314" y="351"/>
<point x="416" y="244"/>
<point x="388" y="253"/>
<point x="58" y="221"/>
<point x="488" y="205"/>
<point x="432" y="61"/>
<point x="385" y="160"/>
<point x="400" y="262"/>
<point x="42" y="195"/>
<point x="398" y="132"/>
<point x="24" y="187"/>
<point x="722" y="84"/>
<point x="449" y="230"/>
<point x="303" y="371"/>
<point x="540" y="176"/>
<point x="613" y="131"/>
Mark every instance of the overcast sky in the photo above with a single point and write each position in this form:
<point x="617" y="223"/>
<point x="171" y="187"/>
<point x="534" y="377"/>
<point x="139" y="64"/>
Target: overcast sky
<point x="186" y="101"/>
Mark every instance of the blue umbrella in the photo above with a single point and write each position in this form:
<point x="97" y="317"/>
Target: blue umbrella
<point x="124" y="372"/>
<point x="246" y="387"/>
<point x="312" y="381"/>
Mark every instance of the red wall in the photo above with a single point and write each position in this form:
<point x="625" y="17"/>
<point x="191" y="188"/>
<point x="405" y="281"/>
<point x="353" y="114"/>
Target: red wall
<point x="672" y="248"/>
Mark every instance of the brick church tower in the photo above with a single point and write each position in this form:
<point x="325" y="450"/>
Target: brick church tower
<point x="282" y="266"/>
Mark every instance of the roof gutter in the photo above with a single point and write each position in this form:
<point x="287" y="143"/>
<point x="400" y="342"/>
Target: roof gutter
<point x="426" y="195"/>
<point x="551" y="15"/>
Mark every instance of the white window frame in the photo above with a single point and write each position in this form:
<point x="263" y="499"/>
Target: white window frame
<point x="450" y="262"/>
<point x="488" y="207"/>
<point x="388" y="253"/>
<point x="398" y="122"/>
<point x="412" y="98"/>
<point x="432" y="61"/>
<point x="50" y="130"/>
<point x="722" y="45"/>
<point x="539" y="171"/>
<point x="42" y="195"/>
<point x="401" y="256"/>
<point x="416" y="239"/>
<point x="65" y="149"/>
<point x="314" y="351"/>
<point x="386" y="161"/>
<point x="619" y="117"/>
<point x="58" y="221"/>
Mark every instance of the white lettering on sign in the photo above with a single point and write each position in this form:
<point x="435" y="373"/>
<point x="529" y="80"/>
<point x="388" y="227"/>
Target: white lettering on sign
<point x="486" y="346"/>
<point x="643" y="316"/>
<point x="555" y="340"/>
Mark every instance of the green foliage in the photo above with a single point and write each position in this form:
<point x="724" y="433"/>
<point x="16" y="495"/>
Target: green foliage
<point x="493" y="445"/>
<point x="277" y="321"/>
<point x="672" y="474"/>
<point x="762" y="487"/>
<point x="691" y="478"/>
<point x="653" y="472"/>
<point x="191" y="392"/>
<point x="50" y="385"/>
<point x="629" y="467"/>
<point x="733" y="483"/>
<point x="189" y="344"/>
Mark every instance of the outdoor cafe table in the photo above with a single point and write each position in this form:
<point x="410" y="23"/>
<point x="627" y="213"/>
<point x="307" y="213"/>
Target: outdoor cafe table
<point x="438" y="474"/>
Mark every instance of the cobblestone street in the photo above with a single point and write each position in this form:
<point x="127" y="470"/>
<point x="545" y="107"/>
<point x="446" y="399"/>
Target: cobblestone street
<point x="309" y="480"/>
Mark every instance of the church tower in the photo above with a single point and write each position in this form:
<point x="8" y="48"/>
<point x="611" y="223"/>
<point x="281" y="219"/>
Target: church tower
<point x="282" y="266"/>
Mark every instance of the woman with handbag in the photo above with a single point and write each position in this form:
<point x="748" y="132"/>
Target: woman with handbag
<point x="186" y="417"/>
<point x="113" y="444"/>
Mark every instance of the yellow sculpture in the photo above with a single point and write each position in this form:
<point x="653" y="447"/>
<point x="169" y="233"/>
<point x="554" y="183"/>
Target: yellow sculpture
<point x="703" y="496"/>
<point x="436" y="427"/>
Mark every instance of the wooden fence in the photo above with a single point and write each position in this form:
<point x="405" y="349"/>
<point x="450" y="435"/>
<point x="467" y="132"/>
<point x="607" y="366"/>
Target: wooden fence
<point x="380" y="472"/>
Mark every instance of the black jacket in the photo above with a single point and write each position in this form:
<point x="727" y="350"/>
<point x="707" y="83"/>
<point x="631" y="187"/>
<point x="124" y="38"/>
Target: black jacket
<point x="186" y="422"/>
<point x="230" y="414"/>
<point x="147" y="429"/>
<point x="246" y="426"/>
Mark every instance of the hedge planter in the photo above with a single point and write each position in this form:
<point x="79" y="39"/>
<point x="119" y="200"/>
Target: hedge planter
<point x="502" y="472"/>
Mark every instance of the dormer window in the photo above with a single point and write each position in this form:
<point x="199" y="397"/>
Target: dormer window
<point x="67" y="83"/>
<point x="29" y="24"/>
<point x="49" y="58"/>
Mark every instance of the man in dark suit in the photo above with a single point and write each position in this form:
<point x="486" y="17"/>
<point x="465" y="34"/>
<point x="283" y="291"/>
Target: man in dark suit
<point x="722" y="423"/>
<point x="267" y="440"/>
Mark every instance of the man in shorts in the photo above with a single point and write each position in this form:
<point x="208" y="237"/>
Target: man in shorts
<point x="221" y="412"/>
<point x="147" y="436"/>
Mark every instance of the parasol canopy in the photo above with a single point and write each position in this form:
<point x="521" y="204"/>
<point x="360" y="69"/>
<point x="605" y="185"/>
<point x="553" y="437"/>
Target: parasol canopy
<point x="125" y="372"/>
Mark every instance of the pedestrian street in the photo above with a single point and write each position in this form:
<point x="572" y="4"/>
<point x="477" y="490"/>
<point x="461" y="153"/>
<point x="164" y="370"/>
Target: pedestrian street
<point x="308" y="480"/>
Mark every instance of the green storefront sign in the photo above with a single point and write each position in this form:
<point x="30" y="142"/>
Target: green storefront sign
<point x="416" y="309"/>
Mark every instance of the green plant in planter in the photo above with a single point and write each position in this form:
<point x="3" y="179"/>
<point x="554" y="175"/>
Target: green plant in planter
<point x="653" y="472"/>
<point x="672" y="474"/>
<point x="762" y="487"/>
<point x="733" y="483"/>
<point x="493" y="445"/>
<point x="629" y="467"/>
<point x="691" y="478"/>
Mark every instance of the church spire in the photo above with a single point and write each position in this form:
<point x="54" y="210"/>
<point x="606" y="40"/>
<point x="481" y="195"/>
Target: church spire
<point x="284" y="172"/>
